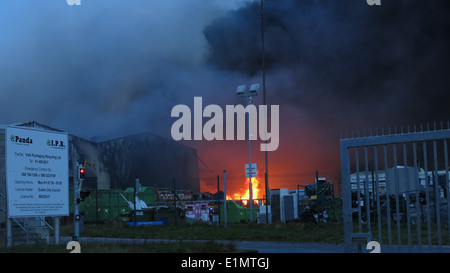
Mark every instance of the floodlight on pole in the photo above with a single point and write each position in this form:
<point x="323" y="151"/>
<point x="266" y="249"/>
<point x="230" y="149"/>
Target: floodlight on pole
<point x="254" y="88"/>
<point x="240" y="91"/>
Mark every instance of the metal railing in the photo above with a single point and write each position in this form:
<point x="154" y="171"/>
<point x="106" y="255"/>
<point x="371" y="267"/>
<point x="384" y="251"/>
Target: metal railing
<point x="395" y="191"/>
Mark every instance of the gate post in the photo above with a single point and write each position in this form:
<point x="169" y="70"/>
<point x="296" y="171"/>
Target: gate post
<point x="346" y="197"/>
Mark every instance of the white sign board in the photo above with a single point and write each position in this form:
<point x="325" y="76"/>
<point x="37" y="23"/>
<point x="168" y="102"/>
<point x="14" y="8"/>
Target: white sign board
<point x="37" y="172"/>
<point x="252" y="172"/>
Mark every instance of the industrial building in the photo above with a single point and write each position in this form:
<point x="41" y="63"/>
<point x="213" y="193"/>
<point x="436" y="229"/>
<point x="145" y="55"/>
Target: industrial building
<point x="116" y="164"/>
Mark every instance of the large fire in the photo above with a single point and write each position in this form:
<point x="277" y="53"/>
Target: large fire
<point x="244" y="195"/>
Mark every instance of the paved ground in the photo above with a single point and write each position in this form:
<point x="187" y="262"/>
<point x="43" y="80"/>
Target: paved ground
<point x="288" y="247"/>
<point x="261" y="247"/>
<point x="272" y="247"/>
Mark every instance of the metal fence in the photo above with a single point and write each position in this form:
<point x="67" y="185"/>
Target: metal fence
<point x="395" y="191"/>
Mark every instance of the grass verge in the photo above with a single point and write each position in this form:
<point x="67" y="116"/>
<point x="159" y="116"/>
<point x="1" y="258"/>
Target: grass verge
<point x="178" y="247"/>
<point x="290" y="232"/>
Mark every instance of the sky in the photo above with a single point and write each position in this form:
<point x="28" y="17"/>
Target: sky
<point x="106" y="69"/>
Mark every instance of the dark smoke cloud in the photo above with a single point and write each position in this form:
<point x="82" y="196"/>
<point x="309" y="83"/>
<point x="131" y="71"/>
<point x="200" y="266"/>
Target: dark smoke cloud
<point x="113" y="68"/>
<point x="345" y="62"/>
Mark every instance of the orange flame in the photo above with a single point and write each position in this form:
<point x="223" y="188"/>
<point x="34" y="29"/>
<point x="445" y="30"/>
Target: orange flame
<point x="246" y="196"/>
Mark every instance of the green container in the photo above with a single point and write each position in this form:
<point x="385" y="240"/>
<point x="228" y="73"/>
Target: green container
<point x="237" y="213"/>
<point x="109" y="205"/>
<point x="170" y="216"/>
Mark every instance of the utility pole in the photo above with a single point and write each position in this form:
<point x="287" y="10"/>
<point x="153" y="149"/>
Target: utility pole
<point x="225" y="198"/>
<point x="250" y="186"/>
<point x="218" y="199"/>
<point x="266" y="174"/>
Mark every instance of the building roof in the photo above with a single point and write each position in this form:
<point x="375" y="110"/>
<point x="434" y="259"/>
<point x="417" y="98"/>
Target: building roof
<point x="35" y="124"/>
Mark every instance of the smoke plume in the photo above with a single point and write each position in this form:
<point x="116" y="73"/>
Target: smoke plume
<point x="344" y="61"/>
<point x="112" y="68"/>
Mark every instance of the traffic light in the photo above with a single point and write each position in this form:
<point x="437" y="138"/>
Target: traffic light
<point x="81" y="172"/>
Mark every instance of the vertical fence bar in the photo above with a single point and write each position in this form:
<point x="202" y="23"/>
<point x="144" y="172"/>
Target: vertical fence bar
<point x="377" y="179"/>
<point x="447" y="187"/>
<point x="388" y="196"/>
<point x="346" y="196"/>
<point x="407" y="189"/>
<point x="397" y="202"/>
<point x="418" y="216"/>
<point x="437" y="195"/>
<point x="427" y="194"/>
<point x="366" y="191"/>
<point x="358" y="189"/>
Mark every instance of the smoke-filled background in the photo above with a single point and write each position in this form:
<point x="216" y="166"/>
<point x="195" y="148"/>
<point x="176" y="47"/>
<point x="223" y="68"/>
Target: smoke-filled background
<point x="112" y="68"/>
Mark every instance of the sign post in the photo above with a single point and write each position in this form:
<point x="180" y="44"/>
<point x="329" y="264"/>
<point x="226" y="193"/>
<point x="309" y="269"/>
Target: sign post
<point x="250" y="171"/>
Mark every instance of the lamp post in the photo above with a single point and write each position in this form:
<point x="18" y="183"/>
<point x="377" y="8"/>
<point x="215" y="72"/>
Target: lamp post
<point x="243" y="92"/>
<point x="266" y="174"/>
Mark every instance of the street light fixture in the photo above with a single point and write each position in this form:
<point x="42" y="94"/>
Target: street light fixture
<point x="254" y="88"/>
<point x="242" y="92"/>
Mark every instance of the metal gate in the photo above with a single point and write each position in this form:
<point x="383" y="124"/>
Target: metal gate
<point x="395" y="191"/>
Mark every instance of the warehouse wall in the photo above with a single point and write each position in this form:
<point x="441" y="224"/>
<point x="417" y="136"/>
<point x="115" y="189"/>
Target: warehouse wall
<point x="97" y="176"/>
<point x="153" y="159"/>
